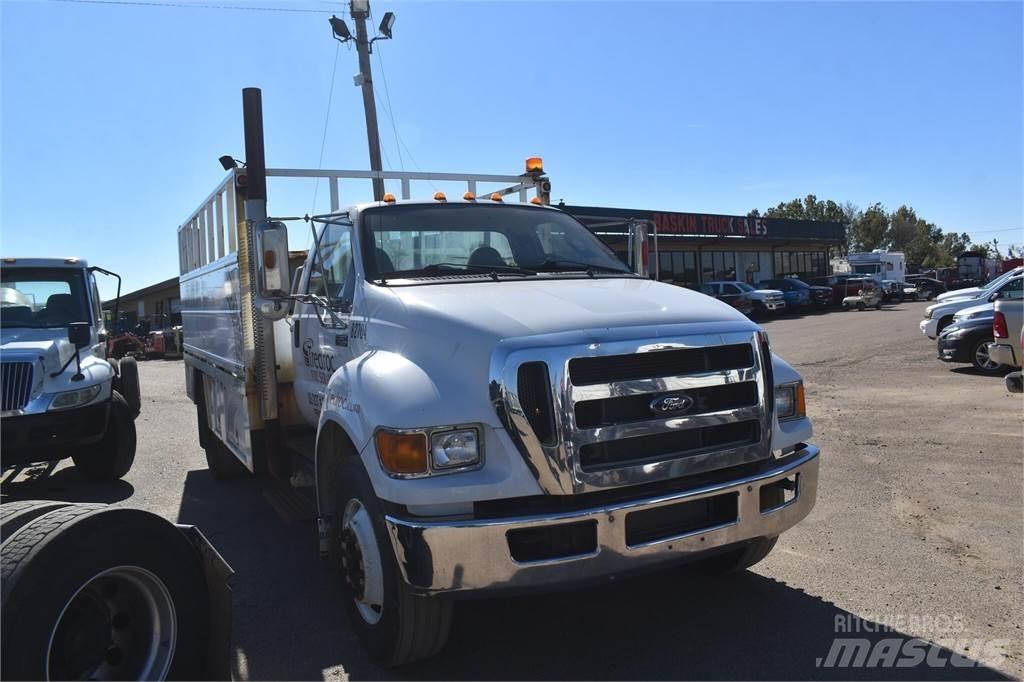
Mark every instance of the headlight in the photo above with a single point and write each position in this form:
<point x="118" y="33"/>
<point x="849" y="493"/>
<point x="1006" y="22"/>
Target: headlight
<point x="416" y="453"/>
<point x="789" y="401"/>
<point x="453" y="449"/>
<point x="81" y="396"/>
<point x="927" y="313"/>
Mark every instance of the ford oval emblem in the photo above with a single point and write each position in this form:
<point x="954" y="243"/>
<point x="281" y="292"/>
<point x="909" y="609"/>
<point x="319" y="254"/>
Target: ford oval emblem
<point x="668" y="404"/>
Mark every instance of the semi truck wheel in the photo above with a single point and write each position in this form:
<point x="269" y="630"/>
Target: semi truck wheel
<point x="112" y="457"/>
<point x="14" y="515"/>
<point x="128" y="384"/>
<point x="395" y="625"/>
<point x="101" y="593"/>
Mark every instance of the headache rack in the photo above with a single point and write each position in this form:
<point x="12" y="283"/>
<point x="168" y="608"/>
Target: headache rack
<point x="224" y="337"/>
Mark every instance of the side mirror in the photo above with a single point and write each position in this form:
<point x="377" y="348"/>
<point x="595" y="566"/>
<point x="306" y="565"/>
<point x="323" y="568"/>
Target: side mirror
<point x="79" y="334"/>
<point x="271" y="252"/>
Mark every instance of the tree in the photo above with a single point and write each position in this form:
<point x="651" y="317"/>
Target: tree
<point x="868" y="231"/>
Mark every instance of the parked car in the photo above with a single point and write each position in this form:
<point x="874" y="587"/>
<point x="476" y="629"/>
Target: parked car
<point x="926" y="288"/>
<point x="939" y="315"/>
<point x="731" y="294"/>
<point x="892" y="290"/>
<point x="1007" y="327"/>
<point x="796" y="293"/>
<point x="843" y="285"/>
<point x="765" y="300"/>
<point x="974" y="292"/>
<point x="967" y="341"/>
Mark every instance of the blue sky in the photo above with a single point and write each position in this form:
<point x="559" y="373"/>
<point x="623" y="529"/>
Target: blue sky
<point x="113" y="116"/>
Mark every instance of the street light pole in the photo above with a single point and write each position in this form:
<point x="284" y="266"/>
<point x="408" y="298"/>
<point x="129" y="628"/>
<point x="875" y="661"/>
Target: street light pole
<point x="360" y="11"/>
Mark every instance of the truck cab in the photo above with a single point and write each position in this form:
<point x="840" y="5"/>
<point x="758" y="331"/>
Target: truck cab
<point x="483" y="399"/>
<point x="61" y="396"/>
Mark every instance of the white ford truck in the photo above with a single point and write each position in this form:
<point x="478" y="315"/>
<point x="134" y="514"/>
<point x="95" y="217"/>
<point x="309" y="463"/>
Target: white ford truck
<point x="483" y="397"/>
<point x="61" y="397"/>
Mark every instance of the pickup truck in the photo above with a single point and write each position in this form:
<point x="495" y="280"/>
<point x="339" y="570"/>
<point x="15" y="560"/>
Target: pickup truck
<point x="483" y="398"/>
<point x="1007" y="323"/>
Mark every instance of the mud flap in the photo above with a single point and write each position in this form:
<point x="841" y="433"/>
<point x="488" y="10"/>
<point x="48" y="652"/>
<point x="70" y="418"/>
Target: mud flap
<point x="217" y="574"/>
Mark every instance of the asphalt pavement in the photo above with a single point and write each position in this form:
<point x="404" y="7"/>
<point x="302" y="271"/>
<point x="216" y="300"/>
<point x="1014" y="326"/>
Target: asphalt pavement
<point x="918" y="532"/>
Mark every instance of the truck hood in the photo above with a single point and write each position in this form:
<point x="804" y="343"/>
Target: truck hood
<point x="51" y="346"/>
<point x="515" y="308"/>
<point x="969" y="292"/>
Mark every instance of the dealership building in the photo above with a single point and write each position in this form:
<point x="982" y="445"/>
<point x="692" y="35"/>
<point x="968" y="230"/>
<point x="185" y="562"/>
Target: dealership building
<point x="691" y="248"/>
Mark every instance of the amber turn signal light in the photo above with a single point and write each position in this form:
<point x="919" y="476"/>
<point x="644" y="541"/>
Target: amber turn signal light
<point x="402" y="453"/>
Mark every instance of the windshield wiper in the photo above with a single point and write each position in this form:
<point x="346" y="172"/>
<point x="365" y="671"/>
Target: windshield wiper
<point x="561" y="264"/>
<point x="446" y="268"/>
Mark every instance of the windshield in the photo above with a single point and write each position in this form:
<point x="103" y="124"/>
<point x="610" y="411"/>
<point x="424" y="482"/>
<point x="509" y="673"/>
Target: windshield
<point x="998" y="281"/>
<point x="406" y="242"/>
<point x="42" y="298"/>
<point x="870" y="269"/>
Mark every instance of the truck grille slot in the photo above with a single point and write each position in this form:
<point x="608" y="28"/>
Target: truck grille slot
<point x="553" y="542"/>
<point x="685" y="443"/>
<point x="605" y="412"/>
<point x="534" y="388"/>
<point x="15" y="385"/>
<point x="656" y="364"/>
<point x="673" y="520"/>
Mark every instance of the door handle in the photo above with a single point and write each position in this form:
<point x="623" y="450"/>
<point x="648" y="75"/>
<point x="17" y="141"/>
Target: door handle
<point x="295" y="333"/>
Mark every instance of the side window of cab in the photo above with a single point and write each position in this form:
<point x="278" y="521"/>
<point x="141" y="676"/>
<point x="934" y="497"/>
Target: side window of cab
<point x="1012" y="290"/>
<point x="332" y="272"/>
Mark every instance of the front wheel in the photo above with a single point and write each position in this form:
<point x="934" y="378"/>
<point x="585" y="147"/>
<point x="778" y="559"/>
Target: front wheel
<point x="860" y="305"/>
<point x="128" y="384"/>
<point x="112" y="457"/>
<point x="395" y="625"/>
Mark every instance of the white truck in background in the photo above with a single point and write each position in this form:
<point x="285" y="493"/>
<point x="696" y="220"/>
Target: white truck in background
<point x="483" y="397"/>
<point x="880" y="264"/>
<point x="61" y="396"/>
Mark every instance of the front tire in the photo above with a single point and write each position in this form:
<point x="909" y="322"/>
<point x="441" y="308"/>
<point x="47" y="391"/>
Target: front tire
<point x="860" y="305"/>
<point x="395" y="625"/>
<point x="746" y="555"/>
<point x="112" y="457"/>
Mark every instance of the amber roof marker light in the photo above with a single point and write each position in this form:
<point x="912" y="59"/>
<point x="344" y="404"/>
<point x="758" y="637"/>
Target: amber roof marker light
<point x="535" y="165"/>
<point x="388" y="198"/>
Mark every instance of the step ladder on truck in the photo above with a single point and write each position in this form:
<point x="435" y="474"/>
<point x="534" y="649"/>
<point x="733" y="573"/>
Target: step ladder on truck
<point x="481" y="396"/>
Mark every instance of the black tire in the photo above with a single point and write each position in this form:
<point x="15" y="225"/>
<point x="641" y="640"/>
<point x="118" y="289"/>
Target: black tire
<point x="845" y="306"/>
<point x="15" y="515"/>
<point x="747" y="555"/>
<point x="221" y="462"/>
<point x="128" y="384"/>
<point x="115" y="365"/>
<point x="112" y="457"/>
<point x="52" y="587"/>
<point x="410" y="627"/>
<point x="860" y="305"/>
<point x="978" y="349"/>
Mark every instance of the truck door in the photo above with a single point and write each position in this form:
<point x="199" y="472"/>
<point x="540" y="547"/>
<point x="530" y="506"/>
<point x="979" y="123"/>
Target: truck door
<point x="320" y="333"/>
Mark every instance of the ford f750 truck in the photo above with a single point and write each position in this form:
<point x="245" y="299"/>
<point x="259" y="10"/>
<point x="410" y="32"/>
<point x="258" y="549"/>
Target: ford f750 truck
<point x="483" y="396"/>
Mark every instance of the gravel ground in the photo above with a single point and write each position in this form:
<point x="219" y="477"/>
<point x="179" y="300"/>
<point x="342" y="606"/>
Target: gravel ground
<point x="918" y="526"/>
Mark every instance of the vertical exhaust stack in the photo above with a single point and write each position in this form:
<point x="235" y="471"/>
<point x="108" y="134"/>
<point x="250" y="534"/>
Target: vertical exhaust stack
<point x="264" y="369"/>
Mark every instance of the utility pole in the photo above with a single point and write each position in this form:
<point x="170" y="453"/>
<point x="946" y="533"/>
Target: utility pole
<point x="360" y="10"/>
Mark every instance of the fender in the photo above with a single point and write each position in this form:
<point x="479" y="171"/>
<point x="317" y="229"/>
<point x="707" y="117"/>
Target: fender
<point x="385" y="389"/>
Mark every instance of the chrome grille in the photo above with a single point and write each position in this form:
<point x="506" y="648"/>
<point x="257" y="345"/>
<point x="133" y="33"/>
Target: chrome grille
<point x="608" y="431"/>
<point x="15" y="385"/>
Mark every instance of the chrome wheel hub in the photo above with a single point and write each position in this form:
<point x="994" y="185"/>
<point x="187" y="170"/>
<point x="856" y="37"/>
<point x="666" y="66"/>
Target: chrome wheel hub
<point x="120" y="625"/>
<point x="361" y="561"/>
<point x="983" y="359"/>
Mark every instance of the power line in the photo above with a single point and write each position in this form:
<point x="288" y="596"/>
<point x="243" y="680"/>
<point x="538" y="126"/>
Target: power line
<point x="190" y="5"/>
<point x="327" y="119"/>
<point x="391" y="113"/>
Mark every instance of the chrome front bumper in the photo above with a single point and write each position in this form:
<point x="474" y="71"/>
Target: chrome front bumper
<point x="475" y="555"/>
